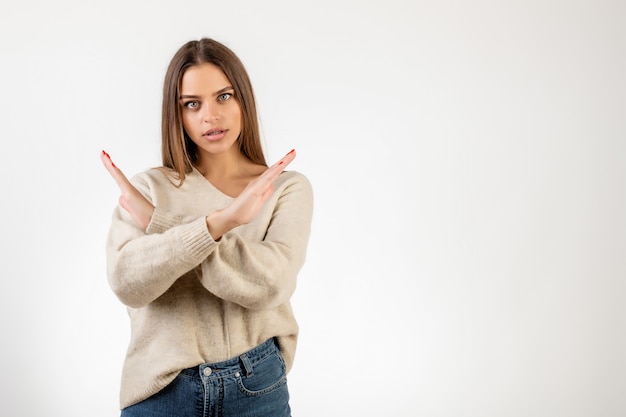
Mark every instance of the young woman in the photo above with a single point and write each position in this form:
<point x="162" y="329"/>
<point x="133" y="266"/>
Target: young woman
<point x="205" y="251"/>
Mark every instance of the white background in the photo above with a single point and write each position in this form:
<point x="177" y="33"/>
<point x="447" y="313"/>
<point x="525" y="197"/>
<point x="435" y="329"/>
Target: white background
<point x="468" y="161"/>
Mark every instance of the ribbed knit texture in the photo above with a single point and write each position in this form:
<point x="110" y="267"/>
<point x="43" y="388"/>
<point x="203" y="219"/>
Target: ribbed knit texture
<point x="192" y="300"/>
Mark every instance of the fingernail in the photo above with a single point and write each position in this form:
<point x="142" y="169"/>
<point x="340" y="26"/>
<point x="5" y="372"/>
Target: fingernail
<point x="292" y="151"/>
<point x="109" y="156"/>
<point x="280" y="163"/>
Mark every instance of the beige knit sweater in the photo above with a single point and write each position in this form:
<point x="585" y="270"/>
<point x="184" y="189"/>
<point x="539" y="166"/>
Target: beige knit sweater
<point x="192" y="300"/>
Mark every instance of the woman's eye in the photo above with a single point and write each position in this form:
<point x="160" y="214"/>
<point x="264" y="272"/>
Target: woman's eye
<point x="192" y="104"/>
<point x="224" y="97"/>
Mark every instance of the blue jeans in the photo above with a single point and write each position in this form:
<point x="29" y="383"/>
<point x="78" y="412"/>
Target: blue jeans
<point x="251" y="385"/>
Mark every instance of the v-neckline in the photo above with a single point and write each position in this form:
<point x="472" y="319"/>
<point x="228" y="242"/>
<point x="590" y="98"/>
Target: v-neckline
<point x="213" y="186"/>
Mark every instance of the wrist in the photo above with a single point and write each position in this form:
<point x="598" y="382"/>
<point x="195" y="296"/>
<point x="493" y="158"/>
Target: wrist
<point x="219" y="223"/>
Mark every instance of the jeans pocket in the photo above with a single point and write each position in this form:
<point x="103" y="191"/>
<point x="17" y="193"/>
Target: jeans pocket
<point x="268" y="375"/>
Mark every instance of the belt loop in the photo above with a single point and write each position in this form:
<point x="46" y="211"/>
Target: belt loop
<point x="247" y="364"/>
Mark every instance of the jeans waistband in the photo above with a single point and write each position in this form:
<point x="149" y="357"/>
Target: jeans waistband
<point x="242" y="363"/>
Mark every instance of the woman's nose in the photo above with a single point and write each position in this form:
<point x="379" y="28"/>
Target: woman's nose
<point x="211" y="112"/>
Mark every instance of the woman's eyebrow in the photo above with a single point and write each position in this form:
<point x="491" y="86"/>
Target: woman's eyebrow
<point x="223" y="90"/>
<point x="217" y="93"/>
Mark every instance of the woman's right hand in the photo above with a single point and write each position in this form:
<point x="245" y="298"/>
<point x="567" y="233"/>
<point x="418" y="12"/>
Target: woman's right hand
<point x="131" y="199"/>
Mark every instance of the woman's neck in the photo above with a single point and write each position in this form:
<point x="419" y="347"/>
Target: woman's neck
<point x="223" y="166"/>
<point x="230" y="172"/>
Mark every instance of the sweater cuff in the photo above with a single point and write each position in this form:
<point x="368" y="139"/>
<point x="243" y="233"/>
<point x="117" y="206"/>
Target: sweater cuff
<point x="197" y="239"/>
<point x="162" y="221"/>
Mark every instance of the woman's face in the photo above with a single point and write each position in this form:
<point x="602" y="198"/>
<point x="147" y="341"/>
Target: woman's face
<point x="210" y="111"/>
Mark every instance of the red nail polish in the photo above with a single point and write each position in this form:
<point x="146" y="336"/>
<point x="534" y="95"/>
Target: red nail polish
<point x="280" y="163"/>
<point x="109" y="156"/>
<point x="292" y="151"/>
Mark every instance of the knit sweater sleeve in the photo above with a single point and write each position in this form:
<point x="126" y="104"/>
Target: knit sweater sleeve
<point x="142" y="265"/>
<point x="262" y="274"/>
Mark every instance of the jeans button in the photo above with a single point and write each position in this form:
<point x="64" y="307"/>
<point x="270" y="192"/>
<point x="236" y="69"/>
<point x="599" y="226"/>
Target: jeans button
<point x="207" y="371"/>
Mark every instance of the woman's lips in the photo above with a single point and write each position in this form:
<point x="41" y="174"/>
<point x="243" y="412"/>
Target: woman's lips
<point x="214" y="134"/>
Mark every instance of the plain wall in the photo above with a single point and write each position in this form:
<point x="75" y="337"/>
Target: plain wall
<point x="468" y="162"/>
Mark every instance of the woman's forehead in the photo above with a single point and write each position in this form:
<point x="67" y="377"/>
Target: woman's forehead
<point x="204" y="78"/>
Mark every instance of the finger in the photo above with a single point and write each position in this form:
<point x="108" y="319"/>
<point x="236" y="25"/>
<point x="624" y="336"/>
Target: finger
<point x="115" y="172"/>
<point x="274" y="171"/>
<point x="267" y="194"/>
<point x="108" y="163"/>
<point x="286" y="160"/>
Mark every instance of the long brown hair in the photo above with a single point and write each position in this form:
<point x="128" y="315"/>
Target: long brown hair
<point x="178" y="151"/>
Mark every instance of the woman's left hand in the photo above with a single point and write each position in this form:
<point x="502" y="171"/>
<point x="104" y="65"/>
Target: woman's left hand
<point x="249" y="203"/>
<point x="131" y="199"/>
